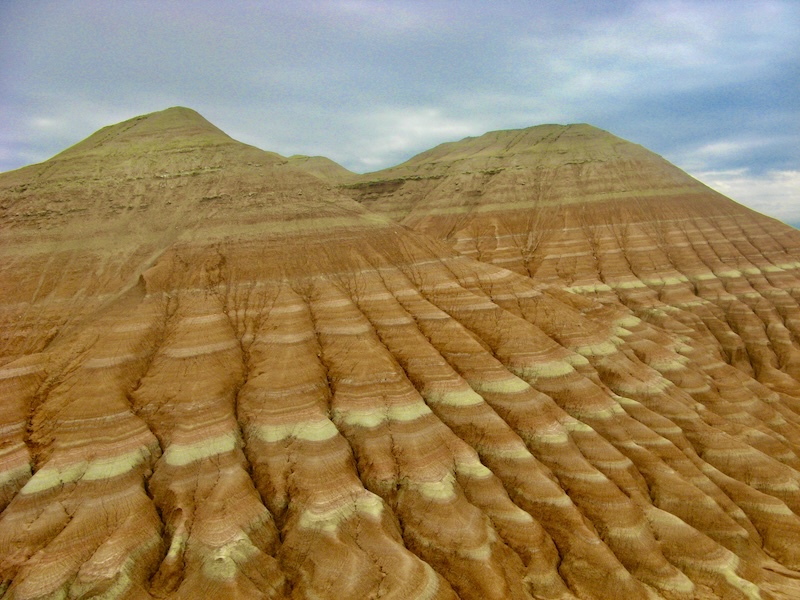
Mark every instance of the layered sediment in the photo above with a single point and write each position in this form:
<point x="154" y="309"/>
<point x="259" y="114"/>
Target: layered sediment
<point x="224" y="376"/>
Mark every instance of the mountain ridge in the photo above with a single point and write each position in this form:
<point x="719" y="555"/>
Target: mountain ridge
<point x="224" y="376"/>
<point x="178" y="122"/>
<point x="504" y="142"/>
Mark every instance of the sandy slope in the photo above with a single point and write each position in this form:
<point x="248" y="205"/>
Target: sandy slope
<point x="222" y="377"/>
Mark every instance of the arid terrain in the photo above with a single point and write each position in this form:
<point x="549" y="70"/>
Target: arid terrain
<point x="535" y="364"/>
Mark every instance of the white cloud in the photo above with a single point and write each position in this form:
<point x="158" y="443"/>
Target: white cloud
<point x="394" y="134"/>
<point x="717" y="152"/>
<point x="392" y="17"/>
<point x="775" y="193"/>
<point x="369" y="84"/>
<point x="658" y="47"/>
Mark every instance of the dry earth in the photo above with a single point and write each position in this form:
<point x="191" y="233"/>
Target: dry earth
<point x="535" y="364"/>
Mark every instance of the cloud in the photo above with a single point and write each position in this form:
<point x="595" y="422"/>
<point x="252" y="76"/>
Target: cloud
<point x="664" y="46"/>
<point x="402" y="18"/>
<point x="776" y="193"/>
<point x="711" y="85"/>
<point x="739" y="151"/>
<point x="397" y="133"/>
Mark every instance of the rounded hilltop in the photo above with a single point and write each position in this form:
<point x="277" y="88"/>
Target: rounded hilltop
<point x="169" y="129"/>
<point x="570" y="372"/>
<point x="515" y="147"/>
<point x="506" y="174"/>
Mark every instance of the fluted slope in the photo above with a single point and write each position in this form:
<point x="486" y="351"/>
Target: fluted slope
<point x="252" y="387"/>
<point x="444" y="189"/>
<point x="579" y="208"/>
<point x="84" y="225"/>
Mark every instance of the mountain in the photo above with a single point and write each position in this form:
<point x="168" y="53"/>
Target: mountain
<point x="86" y="224"/>
<point x="322" y="167"/>
<point x="577" y="207"/>
<point x="488" y="181"/>
<point x="226" y="373"/>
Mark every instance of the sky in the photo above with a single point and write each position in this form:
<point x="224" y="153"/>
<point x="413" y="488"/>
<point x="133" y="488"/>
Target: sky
<point x="711" y="85"/>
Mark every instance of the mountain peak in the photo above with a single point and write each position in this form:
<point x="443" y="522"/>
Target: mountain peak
<point x="175" y="118"/>
<point x="442" y="190"/>
<point x="533" y="142"/>
<point x="572" y="373"/>
<point x="322" y="167"/>
<point x="170" y="128"/>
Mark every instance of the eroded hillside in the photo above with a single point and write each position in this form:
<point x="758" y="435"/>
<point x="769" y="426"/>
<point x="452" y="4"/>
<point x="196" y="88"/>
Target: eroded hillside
<point x="247" y="385"/>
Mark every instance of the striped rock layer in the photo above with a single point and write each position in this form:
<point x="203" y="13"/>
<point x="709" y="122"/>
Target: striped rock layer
<point x="571" y="373"/>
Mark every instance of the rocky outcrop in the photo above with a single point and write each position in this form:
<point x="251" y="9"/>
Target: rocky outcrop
<point x="249" y="385"/>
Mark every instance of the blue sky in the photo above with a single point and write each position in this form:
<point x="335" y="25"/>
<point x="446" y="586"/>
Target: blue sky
<point x="713" y="86"/>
